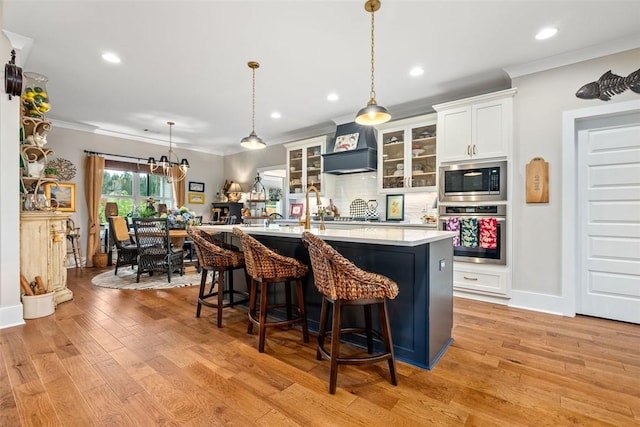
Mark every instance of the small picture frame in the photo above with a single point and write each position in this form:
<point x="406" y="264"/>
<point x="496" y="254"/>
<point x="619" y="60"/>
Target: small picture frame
<point x="395" y="207"/>
<point x="346" y="142"/>
<point x="196" y="198"/>
<point x="295" y="210"/>
<point x="64" y="194"/>
<point x="196" y="186"/>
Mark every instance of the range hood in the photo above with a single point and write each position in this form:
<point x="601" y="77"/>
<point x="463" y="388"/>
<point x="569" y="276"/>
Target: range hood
<point x="351" y="154"/>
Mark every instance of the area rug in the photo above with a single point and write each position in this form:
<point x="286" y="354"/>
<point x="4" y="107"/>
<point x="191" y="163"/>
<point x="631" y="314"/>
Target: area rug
<point x="126" y="279"/>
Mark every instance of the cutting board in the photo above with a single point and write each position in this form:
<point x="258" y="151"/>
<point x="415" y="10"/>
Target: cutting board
<point x="537" y="181"/>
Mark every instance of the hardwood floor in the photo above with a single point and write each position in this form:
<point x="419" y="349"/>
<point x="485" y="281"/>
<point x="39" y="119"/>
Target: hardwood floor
<point x="142" y="358"/>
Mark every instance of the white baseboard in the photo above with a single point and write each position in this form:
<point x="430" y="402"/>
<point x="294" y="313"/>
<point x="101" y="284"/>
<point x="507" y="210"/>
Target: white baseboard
<point x="544" y="303"/>
<point x="481" y="297"/>
<point x="11" y="316"/>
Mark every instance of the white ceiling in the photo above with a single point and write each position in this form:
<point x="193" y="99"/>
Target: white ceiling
<point x="186" y="61"/>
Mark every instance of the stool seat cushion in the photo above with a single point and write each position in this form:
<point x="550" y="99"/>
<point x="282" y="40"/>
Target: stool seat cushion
<point x="339" y="279"/>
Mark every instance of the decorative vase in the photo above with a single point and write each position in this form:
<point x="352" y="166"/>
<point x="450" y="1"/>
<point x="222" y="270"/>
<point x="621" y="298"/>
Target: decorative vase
<point x="35" y="98"/>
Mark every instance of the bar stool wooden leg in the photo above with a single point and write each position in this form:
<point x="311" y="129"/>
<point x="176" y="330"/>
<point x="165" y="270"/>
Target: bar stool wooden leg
<point x="252" y="304"/>
<point x="262" y="328"/>
<point x="287" y="298"/>
<point x="335" y="346"/>
<point x="302" y="311"/>
<point x="220" y="296"/>
<point x="386" y="330"/>
<point x="368" y="326"/>
<point x="324" y="321"/>
<point x="203" y="285"/>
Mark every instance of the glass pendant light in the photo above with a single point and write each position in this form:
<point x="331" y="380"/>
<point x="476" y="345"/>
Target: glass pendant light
<point x="253" y="141"/>
<point x="372" y="114"/>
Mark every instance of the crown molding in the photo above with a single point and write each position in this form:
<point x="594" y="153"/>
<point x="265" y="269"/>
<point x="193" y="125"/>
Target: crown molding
<point x="568" y="58"/>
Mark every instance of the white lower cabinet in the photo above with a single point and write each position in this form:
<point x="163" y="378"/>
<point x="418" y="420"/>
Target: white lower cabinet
<point x="481" y="279"/>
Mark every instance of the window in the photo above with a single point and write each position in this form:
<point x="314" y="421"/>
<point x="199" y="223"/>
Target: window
<point x="130" y="185"/>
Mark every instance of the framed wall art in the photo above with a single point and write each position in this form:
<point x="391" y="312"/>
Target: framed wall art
<point x="64" y="194"/>
<point x="196" y="198"/>
<point x="295" y="210"/>
<point x="346" y="142"/>
<point x="395" y="207"/>
<point x="198" y="187"/>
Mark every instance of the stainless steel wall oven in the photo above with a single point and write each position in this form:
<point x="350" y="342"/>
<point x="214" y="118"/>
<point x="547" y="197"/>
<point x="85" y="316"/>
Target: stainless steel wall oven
<point x="482" y="232"/>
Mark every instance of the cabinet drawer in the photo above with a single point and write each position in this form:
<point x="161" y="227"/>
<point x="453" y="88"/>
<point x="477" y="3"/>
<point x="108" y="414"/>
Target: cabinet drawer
<point x="486" y="282"/>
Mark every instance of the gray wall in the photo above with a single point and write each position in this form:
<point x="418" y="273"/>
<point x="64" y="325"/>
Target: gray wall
<point x="242" y="167"/>
<point x="70" y="144"/>
<point x="538" y="107"/>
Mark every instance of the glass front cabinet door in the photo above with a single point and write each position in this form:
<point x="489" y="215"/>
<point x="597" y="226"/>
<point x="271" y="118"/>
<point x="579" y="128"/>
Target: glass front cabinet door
<point x="304" y="166"/>
<point x="407" y="155"/>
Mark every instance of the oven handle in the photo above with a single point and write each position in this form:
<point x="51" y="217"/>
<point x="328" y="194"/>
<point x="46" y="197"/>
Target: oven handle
<point x="498" y="218"/>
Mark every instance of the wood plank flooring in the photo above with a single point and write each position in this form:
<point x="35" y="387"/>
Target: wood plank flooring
<point x="142" y="358"/>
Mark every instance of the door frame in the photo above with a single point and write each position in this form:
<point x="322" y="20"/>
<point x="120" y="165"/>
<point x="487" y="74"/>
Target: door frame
<point x="570" y="126"/>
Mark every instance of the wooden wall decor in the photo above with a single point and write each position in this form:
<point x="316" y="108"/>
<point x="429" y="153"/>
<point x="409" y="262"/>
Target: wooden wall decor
<point x="610" y="84"/>
<point x="538" y="181"/>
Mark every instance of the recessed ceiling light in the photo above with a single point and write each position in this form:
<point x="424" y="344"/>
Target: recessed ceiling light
<point x="416" y="71"/>
<point x="546" y="33"/>
<point x="275" y="115"/>
<point x="111" y="57"/>
<point x="332" y="97"/>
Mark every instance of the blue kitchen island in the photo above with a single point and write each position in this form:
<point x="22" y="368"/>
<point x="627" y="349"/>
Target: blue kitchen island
<point x="420" y="261"/>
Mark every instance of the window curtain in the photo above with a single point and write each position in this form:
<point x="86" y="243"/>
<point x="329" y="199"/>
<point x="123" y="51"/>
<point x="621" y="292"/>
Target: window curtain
<point x="179" y="194"/>
<point x="94" y="172"/>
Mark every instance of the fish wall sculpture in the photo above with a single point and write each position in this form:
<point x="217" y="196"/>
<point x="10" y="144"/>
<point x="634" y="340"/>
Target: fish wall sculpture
<point x="608" y="85"/>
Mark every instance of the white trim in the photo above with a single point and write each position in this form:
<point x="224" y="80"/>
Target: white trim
<point x="573" y="57"/>
<point x="11" y="316"/>
<point x="543" y="303"/>
<point x="570" y="121"/>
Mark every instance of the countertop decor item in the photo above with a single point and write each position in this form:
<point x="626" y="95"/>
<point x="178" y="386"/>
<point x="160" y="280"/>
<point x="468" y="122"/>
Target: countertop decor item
<point x="372" y="114"/>
<point x="253" y="141"/>
<point x="169" y="166"/>
<point x="358" y="208"/>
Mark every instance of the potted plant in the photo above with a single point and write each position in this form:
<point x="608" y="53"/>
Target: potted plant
<point x="50" y="172"/>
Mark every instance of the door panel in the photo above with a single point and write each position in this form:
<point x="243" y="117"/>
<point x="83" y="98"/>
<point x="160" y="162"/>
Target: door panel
<point x="609" y="221"/>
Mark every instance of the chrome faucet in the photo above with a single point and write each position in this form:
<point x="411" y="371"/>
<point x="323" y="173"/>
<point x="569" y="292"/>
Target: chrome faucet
<point x="307" y="215"/>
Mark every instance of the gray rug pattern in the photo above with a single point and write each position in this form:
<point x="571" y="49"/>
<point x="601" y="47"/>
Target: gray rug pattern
<point x="126" y="279"/>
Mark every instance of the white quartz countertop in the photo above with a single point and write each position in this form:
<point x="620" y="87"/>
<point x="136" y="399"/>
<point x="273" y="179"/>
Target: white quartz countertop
<point x="372" y="234"/>
<point x="363" y="223"/>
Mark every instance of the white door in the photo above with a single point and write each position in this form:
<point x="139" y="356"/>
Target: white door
<point x="608" y="167"/>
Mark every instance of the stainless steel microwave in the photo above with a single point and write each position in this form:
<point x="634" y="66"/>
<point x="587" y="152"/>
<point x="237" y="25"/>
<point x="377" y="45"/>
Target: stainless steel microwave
<point x="473" y="182"/>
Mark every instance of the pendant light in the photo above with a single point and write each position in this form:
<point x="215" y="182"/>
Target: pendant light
<point x="372" y="114"/>
<point x="169" y="166"/>
<point x="253" y="141"/>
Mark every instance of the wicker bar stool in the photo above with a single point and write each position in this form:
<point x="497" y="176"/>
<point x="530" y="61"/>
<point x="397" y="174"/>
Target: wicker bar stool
<point x="217" y="257"/>
<point x="267" y="267"/>
<point x="342" y="283"/>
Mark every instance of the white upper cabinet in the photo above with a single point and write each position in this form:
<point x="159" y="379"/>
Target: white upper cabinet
<point x="475" y="128"/>
<point x="407" y="155"/>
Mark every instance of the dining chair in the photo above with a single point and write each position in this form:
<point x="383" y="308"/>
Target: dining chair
<point x="126" y="249"/>
<point x="155" y="252"/>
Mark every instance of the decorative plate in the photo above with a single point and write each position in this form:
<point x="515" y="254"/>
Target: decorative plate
<point x="358" y="208"/>
<point x="65" y="167"/>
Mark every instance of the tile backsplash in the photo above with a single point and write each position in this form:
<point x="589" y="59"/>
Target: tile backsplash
<point x="365" y="186"/>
